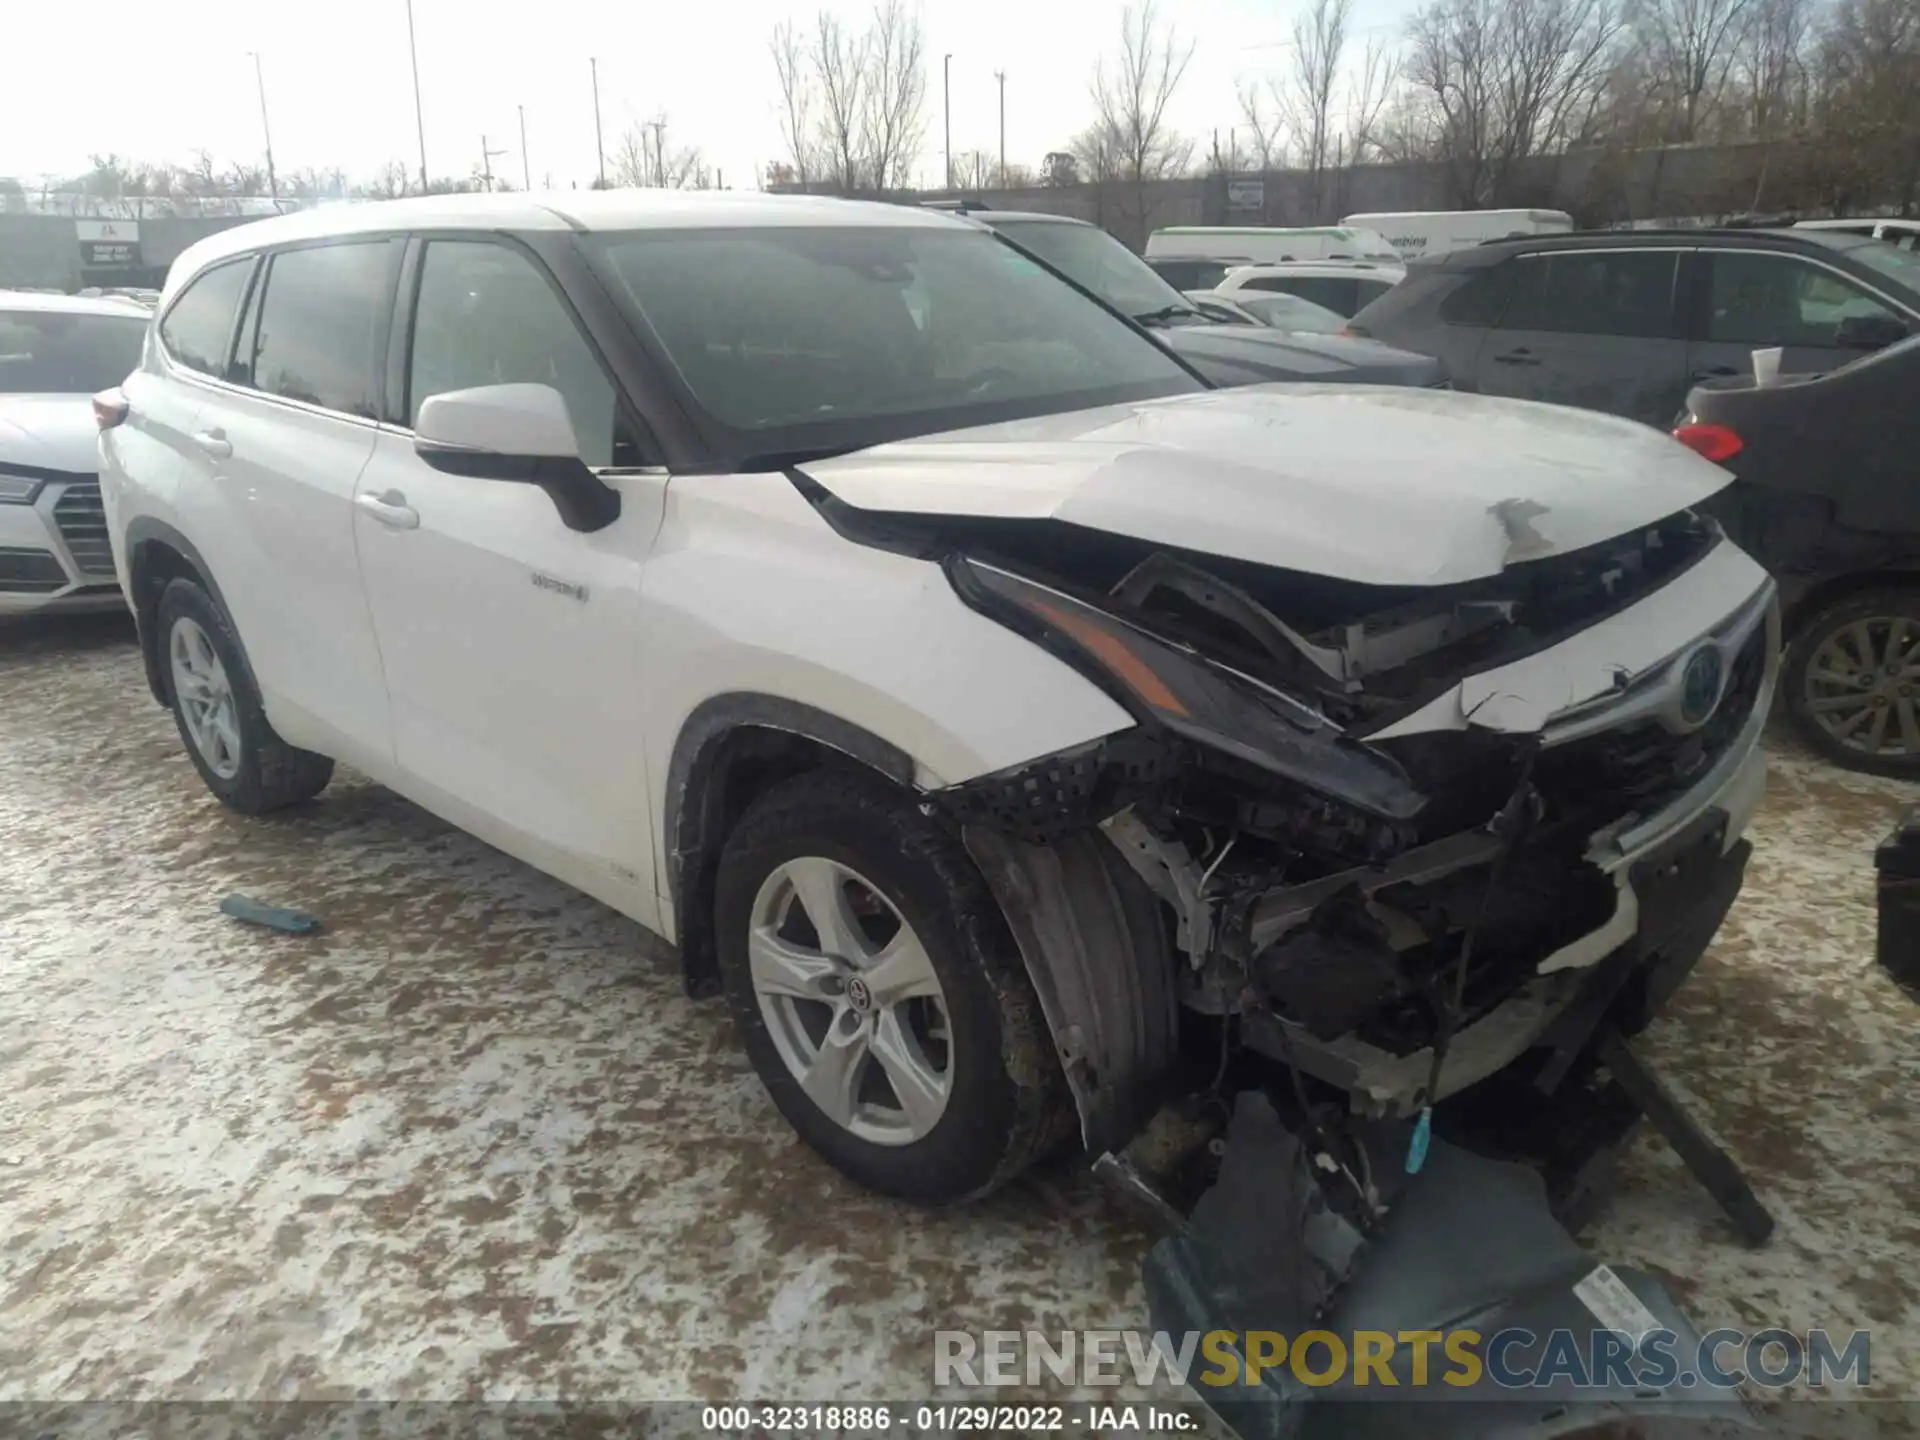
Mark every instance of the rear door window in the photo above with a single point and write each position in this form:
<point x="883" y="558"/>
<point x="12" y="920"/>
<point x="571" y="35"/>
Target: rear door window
<point x="321" y="332"/>
<point x="1624" y="292"/>
<point x="198" y="329"/>
<point x="1481" y="299"/>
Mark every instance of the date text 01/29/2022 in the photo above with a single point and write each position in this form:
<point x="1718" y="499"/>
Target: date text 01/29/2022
<point x="882" y="1419"/>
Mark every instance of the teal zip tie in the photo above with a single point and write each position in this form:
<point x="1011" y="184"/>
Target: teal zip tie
<point x="1422" y="1137"/>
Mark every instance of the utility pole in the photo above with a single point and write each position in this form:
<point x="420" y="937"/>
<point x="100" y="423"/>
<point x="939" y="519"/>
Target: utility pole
<point x="273" y="183"/>
<point x="526" y="167"/>
<point x="486" y="163"/>
<point x="599" y="144"/>
<point x="1001" y="76"/>
<point x="419" y="121"/>
<point x="946" y="105"/>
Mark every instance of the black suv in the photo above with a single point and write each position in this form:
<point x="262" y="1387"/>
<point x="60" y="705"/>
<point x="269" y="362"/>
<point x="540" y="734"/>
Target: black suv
<point x="1628" y="321"/>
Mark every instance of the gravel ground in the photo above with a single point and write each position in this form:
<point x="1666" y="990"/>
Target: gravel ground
<point x="474" y="1141"/>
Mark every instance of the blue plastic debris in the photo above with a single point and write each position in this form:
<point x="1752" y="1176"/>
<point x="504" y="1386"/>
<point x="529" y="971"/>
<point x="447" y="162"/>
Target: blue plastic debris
<point x="293" y="922"/>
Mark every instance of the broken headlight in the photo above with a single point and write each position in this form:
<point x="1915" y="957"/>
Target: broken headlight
<point x="1170" y="685"/>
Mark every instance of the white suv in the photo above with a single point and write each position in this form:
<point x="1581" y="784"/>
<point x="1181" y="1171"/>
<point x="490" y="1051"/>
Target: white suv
<point x="56" y="351"/>
<point x="981" y="701"/>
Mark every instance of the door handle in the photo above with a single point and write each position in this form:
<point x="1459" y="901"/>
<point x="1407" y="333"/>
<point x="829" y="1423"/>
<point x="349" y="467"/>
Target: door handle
<point x="1521" y="356"/>
<point x="390" y="509"/>
<point x="1717" y="372"/>
<point x="214" y="443"/>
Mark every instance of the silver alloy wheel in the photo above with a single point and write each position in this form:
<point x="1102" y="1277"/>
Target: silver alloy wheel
<point x="1863" y="686"/>
<point x="206" y="697"/>
<point x="851" y="1001"/>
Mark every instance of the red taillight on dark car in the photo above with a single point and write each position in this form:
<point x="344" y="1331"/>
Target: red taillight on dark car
<point x="109" y="408"/>
<point x="1716" y="442"/>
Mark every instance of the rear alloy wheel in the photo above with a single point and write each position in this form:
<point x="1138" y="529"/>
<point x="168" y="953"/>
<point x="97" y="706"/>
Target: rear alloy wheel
<point x="879" y="994"/>
<point x="1853" y="682"/>
<point x="244" y="762"/>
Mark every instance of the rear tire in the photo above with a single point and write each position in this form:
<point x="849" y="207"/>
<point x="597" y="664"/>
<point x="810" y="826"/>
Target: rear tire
<point x="1852" y="682"/>
<point x="958" y="1090"/>
<point x="217" y="708"/>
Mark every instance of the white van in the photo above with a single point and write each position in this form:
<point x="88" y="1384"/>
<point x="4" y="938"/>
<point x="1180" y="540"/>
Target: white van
<point x="1196" y="257"/>
<point x="1415" y="233"/>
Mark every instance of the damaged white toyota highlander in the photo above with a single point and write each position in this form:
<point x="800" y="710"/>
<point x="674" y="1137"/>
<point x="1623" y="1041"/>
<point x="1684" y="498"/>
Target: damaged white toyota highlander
<point x="1020" y="733"/>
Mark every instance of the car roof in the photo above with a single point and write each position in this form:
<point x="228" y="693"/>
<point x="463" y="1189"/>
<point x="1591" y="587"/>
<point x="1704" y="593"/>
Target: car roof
<point x="1490" y="252"/>
<point x="121" y="305"/>
<point x="581" y="211"/>
<point x="1317" y="268"/>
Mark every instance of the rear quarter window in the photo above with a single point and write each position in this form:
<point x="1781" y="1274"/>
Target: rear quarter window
<point x="1480" y="298"/>
<point x="198" y="329"/>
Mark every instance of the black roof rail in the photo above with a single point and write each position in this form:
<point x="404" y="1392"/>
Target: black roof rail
<point x="963" y="206"/>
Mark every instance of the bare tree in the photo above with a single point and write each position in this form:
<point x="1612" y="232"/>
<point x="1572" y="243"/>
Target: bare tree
<point x="975" y="170"/>
<point x="645" y="156"/>
<point x="1771" y="65"/>
<point x="1368" y="91"/>
<point x="1502" y="80"/>
<point x="792" y="64"/>
<point x="893" y="118"/>
<point x="1131" y="137"/>
<point x="389" y="182"/>
<point x="1262" y="123"/>
<point x="840" y="68"/>
<point x="1692" y="47"/>
<point x="1305" y="89"/>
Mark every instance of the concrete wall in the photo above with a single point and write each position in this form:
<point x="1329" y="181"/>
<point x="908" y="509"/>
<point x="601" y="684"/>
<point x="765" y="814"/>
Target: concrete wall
<point x="43" y="251"/>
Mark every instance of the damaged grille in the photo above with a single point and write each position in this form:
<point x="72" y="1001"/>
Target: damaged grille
<point x="1640" y="762"/>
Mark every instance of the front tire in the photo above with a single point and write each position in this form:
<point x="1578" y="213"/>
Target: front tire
<point x="1852" y="681"/>
<point x="879" y="994"/>
<point x="217" y="708"/>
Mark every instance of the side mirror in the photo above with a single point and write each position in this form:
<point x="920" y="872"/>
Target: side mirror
<point x="519" y="433"/>
<point x="1869" y="332"/>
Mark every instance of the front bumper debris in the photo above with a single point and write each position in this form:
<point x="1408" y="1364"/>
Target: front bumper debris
<point x="1469" y="1244"/>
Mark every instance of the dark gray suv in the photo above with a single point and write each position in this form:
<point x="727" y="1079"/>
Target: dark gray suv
<point x="1628" y="321"/>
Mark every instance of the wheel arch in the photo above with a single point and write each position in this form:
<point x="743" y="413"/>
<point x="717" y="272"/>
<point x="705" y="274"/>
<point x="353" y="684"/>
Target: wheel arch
<point x="157" y="554"/>
<point x="1091" y="937"/>
<point x="1813" y="596"/>
<point x="730" y="750"/>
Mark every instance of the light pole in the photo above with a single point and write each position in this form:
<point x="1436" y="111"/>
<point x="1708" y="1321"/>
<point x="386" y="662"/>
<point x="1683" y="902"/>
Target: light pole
<point x="273" y="183"/>
<point x="599" y="145"/>
<point x="1001" y="76"/>
<point x="526" y="169"/>
<point x="486" y="164"/>
<point x="419" y="120"/>
<point x="946" y="105"/>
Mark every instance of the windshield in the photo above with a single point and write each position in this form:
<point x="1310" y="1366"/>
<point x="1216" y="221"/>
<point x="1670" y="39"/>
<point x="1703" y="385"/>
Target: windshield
<point x="1290" y="312"/>
<point x="820" y="338"/>
<point x="56" y="352"/>
<point x="1093" y="259"/>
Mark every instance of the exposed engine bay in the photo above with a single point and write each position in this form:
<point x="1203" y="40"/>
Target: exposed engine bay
<point x="1391" y="883"/>
<point x="1404" y="864"/>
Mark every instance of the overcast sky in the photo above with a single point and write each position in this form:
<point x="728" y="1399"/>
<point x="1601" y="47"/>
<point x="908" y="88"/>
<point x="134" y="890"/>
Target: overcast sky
<point x="159" y="82"/>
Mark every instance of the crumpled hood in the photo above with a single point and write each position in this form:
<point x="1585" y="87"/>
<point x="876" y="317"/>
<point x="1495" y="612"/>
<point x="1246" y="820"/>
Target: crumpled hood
<point x="1250" y="355"/>
<point x="1374" y="484"/>
<point x="50" y="432"/>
